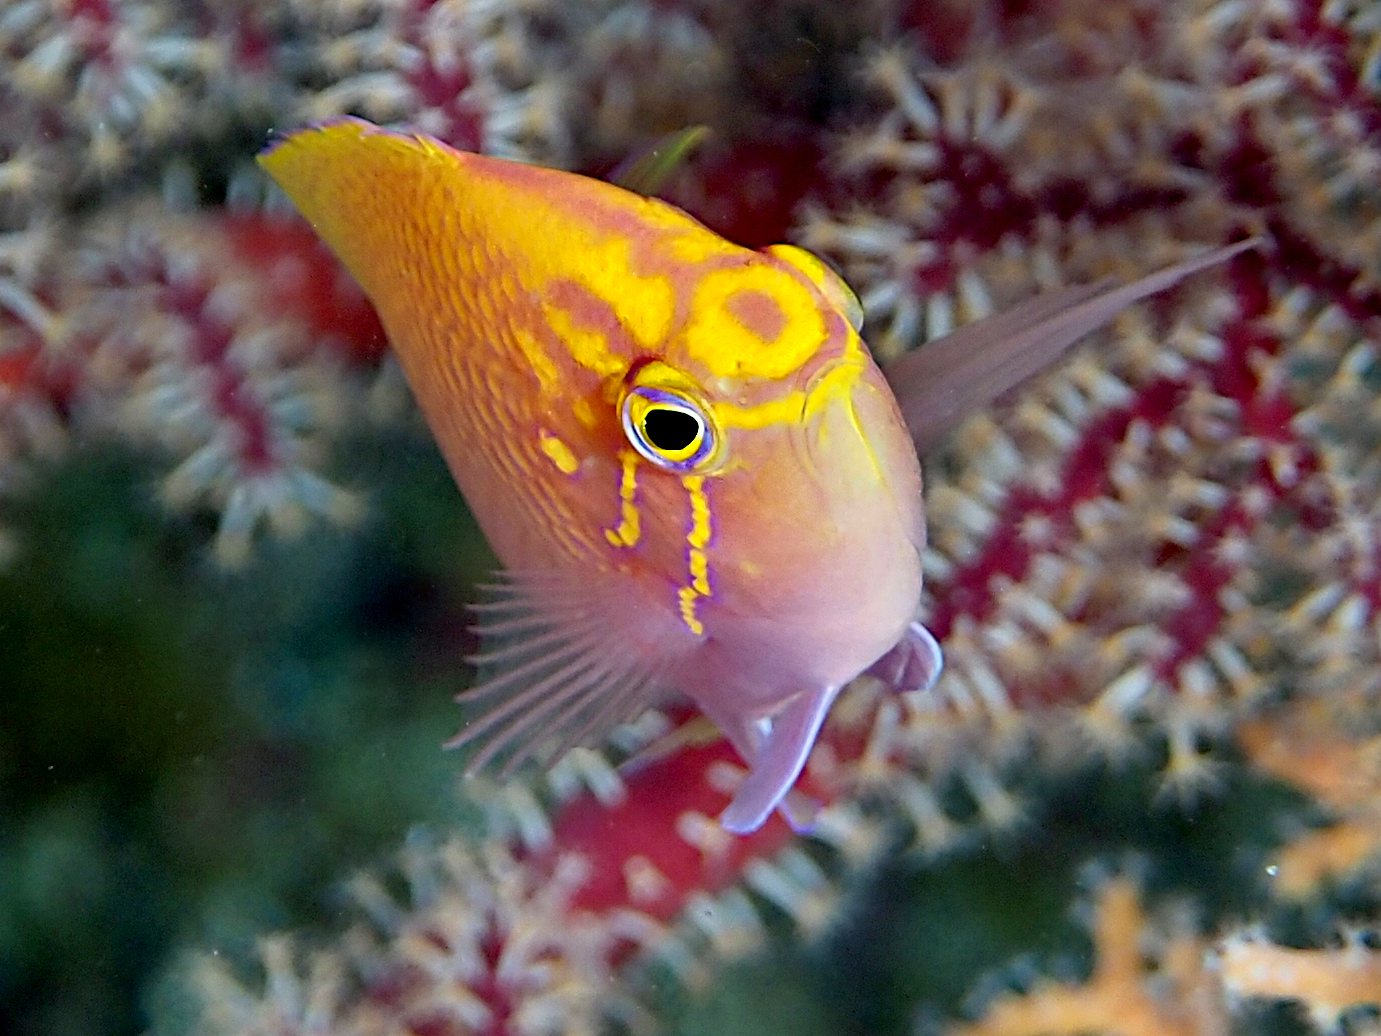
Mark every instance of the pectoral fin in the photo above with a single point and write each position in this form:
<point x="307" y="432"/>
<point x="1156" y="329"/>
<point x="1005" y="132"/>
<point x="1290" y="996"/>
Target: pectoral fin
<point x="779" y="760"/>
<point x="941" y="382"/>
<point x="555" y="671"/>
<point x="914" y="664"/>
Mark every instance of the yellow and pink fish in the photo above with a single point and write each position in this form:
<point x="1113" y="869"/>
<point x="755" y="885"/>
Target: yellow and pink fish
<point x="695" y="475"/>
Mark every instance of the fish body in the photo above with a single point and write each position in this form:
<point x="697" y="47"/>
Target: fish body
<point x="680" y="449"/>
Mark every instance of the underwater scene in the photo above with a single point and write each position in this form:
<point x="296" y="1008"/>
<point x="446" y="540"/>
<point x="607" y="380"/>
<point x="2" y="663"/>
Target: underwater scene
<point x="1016" y="673"/>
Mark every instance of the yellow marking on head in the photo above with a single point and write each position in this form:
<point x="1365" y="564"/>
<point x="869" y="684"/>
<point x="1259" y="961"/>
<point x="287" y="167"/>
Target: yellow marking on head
<point x="839" y="294"/>
<point x="697" y="562"/>
<point x="588" y="347"/>
<point x="584" y="413"/>
<point x="547" y="375"/>
<point x="645" y="304"/>
<point x="788" y="408"/>
<point x="605" y="301"/>
<point x="699" y="246"/>
<point x="629" y="529"/>
<point x="722" y="342"/>
<point x="795" y="406"/>
<point x="558" y="451"/>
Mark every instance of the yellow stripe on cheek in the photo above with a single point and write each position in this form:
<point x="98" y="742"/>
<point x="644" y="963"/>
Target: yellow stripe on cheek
<point x="697" y="561"/>
<point x="687" y="598"/>
<point x="629" y="530"/>
<point x="700" y="572"/>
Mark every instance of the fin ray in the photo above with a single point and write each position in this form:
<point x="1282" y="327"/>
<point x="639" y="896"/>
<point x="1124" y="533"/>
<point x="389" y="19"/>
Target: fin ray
<point x="556" y="671"/>
<point x="529" y="704"/>
<point x="779" y="760"/>
<point x="941" y="382"/>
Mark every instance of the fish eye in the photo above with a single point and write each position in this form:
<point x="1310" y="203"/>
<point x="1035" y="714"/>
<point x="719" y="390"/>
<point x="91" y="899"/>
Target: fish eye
<point x="666" y="427"/>
<point x="671" y="430"/>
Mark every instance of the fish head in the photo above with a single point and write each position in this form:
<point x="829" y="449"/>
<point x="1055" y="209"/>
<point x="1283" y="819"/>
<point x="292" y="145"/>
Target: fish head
<point x="798" y="557"/>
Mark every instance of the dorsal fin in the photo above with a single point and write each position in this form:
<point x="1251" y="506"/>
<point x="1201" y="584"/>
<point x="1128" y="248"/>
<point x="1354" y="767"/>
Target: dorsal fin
<point x="648" y="171"/>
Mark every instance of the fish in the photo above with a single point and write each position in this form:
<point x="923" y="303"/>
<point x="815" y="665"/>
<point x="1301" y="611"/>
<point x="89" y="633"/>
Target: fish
<point x="693" y="473"/>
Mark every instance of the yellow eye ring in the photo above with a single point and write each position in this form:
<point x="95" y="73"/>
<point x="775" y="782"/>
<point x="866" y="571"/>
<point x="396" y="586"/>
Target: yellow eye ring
<point x="666" y="426"/>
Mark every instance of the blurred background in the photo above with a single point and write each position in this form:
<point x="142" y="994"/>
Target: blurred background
<point x="234" y="570"/>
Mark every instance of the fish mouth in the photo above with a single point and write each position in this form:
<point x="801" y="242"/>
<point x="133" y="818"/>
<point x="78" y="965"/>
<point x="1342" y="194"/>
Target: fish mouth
<point x="835" y="379"/>
<point x="829" y="405"/>
<point x="852" y="441"/>
<point x="800" y="404"/>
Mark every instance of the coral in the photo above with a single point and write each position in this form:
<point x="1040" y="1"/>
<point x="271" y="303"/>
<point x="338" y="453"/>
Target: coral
<point x="157" y="330"/>
<point x="487" y="944"/>
<point x="110" y="81"/>
<point x="1167" y="520"/>
<point x="108" y="96"/>
<point x="1328" y="982"/>
<point x="1155" y="569"/>
<point x="1338" y="765"/>
<point x="1160" y="977"/>
<point x="1134" y="989"/>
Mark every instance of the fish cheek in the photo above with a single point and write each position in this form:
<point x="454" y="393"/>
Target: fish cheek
<point x="771" y="522"/>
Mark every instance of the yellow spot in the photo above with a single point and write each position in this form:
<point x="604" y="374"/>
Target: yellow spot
<point x="547" y="375"/>
<point x="728" y="348"/>
<point x="588" y="347"/>
<point x="697" y="563"/>
<point x="629" y="529"/>
<point x="584" y="413"/>
<point x="559" y="453"/>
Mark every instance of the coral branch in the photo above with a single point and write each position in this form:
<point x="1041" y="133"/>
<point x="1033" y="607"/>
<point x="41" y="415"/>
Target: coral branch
<point x="1131" y="992"/>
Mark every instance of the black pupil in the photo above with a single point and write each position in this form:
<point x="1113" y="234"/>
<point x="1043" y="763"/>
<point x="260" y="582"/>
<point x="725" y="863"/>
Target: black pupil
<point x="670" y="430"/>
